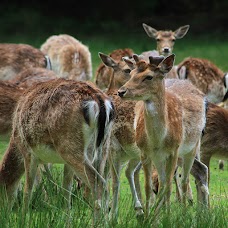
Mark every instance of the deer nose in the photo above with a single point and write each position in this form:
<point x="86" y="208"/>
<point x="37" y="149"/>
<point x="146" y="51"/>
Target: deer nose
<point x="166" y="50"/>
<point x="121" y="92"/>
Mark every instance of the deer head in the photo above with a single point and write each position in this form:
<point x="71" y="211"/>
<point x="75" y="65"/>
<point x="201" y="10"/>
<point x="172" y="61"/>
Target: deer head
<point x="165" y="39"/>
<point x="146" y="79"/>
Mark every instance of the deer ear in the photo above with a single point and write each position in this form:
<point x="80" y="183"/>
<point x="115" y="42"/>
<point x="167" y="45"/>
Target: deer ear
<point x="167" y="64"/>
<point x="181" y="32"/>
<point x="151" y="32"/>
<point x="107" y="60"/>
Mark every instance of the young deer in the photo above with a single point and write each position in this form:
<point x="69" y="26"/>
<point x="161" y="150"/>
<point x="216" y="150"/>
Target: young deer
<point x="163" y="129"/>
<point x="165" y="42"/>
<point x="56" y="122"/>
<point x="104" y="74"/>
<point x="165" y="38"/>
<point x="15" y="58"/>
<point x="69" y="57"/>
<point x="122" y="142"/>
<point x="206" y="76"/>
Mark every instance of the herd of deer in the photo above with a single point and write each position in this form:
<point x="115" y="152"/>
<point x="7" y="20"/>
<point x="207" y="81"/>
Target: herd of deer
<point x="142" y="111"/>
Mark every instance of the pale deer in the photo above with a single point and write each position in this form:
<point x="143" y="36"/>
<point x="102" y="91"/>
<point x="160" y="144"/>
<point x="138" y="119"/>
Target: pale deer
<point x="69" y="57"/>
<point x="165" y="42"/>
<point x="122" y="142"/>
<point x="206" y="76"/>
<point x="163" y="129"/>
<point x="15" y="58"/>
<point x="104" y="74"/>
<point x="56" y="122"/>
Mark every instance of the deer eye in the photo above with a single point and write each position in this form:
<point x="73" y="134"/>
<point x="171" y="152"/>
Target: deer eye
<point x="158" y="40"/>
<point x="148" y="78"/>
<point x="173" y="40"/>
<point x="127" y="71"/>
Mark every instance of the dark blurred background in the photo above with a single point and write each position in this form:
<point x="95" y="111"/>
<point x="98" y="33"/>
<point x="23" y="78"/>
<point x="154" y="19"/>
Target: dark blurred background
<point x="92" y="17"/>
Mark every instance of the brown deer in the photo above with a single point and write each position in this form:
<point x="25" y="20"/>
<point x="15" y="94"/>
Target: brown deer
<point x="206" y="76"/>
<point x="104" y="73"/>
<point x="165" y="42"/>
<point x="122" y="142"/>
<point x="69" y="57"/>
<point x="165" y="38"/>
<point x="57" y="122"/>
<point x="15" y="58"/>
<point x="213" y="142"/>
<point x="163" y="129"/>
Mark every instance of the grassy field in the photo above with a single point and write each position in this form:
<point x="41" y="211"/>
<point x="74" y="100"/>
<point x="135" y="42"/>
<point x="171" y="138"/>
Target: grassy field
<point x="47" y="208"/>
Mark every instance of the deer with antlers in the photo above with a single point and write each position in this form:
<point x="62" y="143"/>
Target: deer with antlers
<point x="123" y="148"/>
<point x="64" y="121"/>
<point x="163" y="129"/>
<point x="69" y="57"/>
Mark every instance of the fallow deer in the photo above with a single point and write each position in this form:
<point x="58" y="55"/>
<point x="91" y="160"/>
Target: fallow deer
<point x="122" y="142"/>
<point x="165" y="42"/>
<point x="69" y="57"/>
<point x="165" y="38"/>
<point x="206" y="76"/>
<point x="15" y="58"/>
<point x="163" y="129"/>
<point x="104" y="73"/>
<point x="56" y="122"/>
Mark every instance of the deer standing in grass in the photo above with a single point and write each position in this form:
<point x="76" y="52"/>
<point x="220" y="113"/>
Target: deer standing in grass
<point x="15" y="58"/>
<point x="123" y="148"/>
<point x="56" y="122"/>
<point x="168" y="123"/>
<point x="69" y="57"/>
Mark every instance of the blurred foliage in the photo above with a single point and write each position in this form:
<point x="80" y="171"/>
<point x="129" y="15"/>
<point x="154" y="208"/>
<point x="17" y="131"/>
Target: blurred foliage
<point x="39" y="18"/>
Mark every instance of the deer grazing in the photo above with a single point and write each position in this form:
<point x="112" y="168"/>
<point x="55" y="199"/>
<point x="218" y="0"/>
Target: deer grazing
<point x="163" y="130"/>
<point x="64" y="121"/>
<point x="206" y="76"/>
<point x="123" y="148"/>
<point x="15" y="58"/>
<point x="104" y="73"/>
<point x="69" y="57"/>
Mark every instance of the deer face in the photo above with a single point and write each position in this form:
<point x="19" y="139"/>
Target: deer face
<point x="121" y="69"/>
<point x="147" y="78"/>
<point x="165" y="39"/>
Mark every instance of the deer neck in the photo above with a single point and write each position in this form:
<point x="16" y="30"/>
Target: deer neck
<point x="155" y="116"/>
<point x="112" y="85"/>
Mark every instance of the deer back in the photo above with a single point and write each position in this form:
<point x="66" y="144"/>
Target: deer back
<point x="15" y="58"/>
<point x="69" y="57"/>
<point x="205" y="75"/>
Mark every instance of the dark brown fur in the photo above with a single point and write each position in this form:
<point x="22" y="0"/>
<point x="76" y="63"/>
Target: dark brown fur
<point x="15" y="58"/>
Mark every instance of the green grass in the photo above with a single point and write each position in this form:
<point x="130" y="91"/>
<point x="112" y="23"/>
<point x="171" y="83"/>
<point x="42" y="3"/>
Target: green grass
<point x="47" y="209"/>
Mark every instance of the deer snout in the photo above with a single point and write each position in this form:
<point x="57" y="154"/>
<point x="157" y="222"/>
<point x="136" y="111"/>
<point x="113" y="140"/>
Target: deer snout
<point x="166" y="50"/>
<point x="121" y="92"/>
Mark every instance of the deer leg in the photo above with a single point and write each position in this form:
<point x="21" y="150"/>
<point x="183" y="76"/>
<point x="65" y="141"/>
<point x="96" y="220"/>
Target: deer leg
<point x="31" y="165"/>
<point x="115" y="172"/>
<point x="67" y="184"/>
<point x="171" y="165"/>
<point x="200" y="173"/>
<point x="11" y="171"/>
<point x="147" y="167"/>
<point x="176" y="181"/>
<point x="130" y="171"/>
<point x="188" y="160"/>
